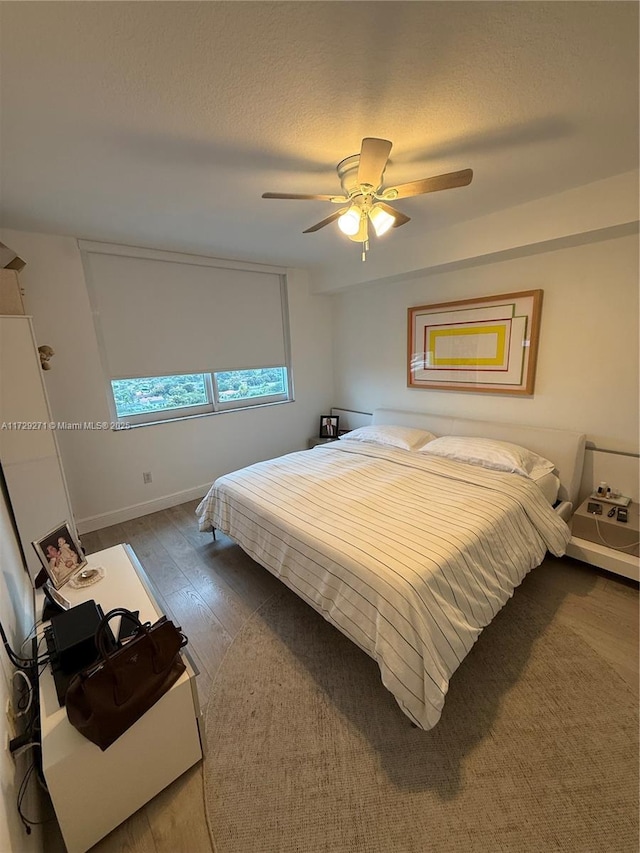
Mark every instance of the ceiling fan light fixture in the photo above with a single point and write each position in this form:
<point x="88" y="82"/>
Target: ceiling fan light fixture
<point x="381" y="220"/>
<point x="362" y="234"/>
<point x="349" y="222"/>
<point x="365" y="197"/>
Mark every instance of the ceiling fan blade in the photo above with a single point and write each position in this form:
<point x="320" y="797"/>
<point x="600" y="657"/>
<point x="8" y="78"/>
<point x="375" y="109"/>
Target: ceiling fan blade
<point x="374" y="154"/>
<point x="400" y="218"/>
<point x="430" y="185"/>
<point x="326" y="221"/>
<point x="334" y="198"/>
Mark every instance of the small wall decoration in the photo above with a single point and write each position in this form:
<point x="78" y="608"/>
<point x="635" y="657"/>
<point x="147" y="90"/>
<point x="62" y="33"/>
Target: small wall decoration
<point x="329" y="426"/>
<point x="60" y="554"/>
<point x="46" y="354"/>
<point x="487" y="344"/>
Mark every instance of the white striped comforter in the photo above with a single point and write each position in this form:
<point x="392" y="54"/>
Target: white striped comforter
<point x="409" y="556"/>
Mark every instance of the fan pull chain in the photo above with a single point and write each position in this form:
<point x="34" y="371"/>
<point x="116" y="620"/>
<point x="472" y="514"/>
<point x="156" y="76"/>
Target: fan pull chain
<point x="365" y="249"/>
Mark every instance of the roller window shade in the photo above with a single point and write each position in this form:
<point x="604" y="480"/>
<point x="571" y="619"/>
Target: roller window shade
<point x="163" y="317"/>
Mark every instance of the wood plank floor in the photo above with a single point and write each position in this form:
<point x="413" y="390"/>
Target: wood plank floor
<point x="211" y="588"/>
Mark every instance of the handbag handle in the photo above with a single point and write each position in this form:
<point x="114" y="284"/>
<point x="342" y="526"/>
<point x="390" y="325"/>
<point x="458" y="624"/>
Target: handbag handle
<point x="142" y="629"/>
<point x="101" y="630"/>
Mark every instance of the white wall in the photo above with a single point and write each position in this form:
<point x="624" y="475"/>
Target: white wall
<point x="573" y="217"/>
<point x="587" y="377"/>
<point x="104" y="468"/>
<point x="16" y="615"/>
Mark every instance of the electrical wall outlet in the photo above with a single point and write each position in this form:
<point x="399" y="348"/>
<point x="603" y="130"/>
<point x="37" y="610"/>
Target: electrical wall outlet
<point x="146" y="477"/>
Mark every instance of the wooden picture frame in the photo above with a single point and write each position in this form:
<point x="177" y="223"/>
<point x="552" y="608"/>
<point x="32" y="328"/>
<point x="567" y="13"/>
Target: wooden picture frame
<point x="488" y="344"/>
<point x="329" y="426"/>
<point x="60" y="554"/>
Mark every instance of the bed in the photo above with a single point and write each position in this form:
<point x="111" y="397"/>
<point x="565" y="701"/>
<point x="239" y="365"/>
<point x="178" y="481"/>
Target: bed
<point x="409" y="552"/>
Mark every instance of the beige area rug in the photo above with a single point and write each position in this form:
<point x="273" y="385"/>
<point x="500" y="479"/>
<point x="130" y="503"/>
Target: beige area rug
<point x="537" y="748"/>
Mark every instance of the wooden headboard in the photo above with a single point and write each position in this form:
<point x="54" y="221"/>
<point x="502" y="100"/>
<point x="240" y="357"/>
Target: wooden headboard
<point x="563" y="447"/>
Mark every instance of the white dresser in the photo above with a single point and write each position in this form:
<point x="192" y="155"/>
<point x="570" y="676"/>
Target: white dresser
<point x="94" y="791"/>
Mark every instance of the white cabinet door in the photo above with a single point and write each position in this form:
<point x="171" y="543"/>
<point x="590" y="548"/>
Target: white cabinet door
<point x="28" y="452"/>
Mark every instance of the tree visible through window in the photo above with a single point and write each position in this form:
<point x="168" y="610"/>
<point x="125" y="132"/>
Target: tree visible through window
<point x="175" y="395"/>
<point x="151" y="394"/>
<point x="241" y="384"/>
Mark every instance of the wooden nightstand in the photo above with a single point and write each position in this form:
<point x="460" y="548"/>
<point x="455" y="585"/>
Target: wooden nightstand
<point x="587" y="540"/>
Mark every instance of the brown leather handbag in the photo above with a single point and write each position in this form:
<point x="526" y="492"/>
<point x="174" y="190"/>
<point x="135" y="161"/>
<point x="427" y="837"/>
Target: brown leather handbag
<point x="107" y="698"/>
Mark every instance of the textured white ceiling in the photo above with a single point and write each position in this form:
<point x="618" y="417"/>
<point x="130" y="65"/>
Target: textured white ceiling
<point x="161" y="124"/>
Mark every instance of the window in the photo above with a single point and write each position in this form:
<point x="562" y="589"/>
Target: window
<point x="234" y="388"/>
<point x="168" y="397"/>
<point x="182" y="335"/>
<point x="141" y="396"/>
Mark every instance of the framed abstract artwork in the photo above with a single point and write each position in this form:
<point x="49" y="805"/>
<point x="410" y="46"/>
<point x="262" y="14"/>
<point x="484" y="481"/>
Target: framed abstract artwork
<point x="488" y="344"/>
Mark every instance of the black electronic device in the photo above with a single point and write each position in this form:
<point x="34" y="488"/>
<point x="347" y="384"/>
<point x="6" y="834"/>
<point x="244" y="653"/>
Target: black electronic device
<point x="71" y="642"/>
<point x="622" y="515"/>
<point x="73" y="634"/>
<point x="60" y="679"/>
<point x="595" y="508"/>
<point x="611" y="512"/>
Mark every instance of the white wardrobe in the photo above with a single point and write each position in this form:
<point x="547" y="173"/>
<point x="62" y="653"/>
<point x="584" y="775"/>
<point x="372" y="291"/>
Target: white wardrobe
<point x="29" y="454"/>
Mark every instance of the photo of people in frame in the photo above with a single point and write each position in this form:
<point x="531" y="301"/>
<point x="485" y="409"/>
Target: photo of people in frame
<point x="329" y="426"/>
<point x="60" y="554"/>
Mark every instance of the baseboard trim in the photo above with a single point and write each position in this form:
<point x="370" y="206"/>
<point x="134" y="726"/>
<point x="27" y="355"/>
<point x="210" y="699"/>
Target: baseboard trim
<point x="96" y="522"/>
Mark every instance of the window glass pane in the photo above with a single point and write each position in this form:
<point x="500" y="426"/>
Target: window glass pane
<point x="157" y="393"/>
<point x="244" y="384"/>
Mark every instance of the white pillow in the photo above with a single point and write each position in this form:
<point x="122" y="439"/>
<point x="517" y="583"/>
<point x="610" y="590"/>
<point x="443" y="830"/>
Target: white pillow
<point x="498" y="455"/>
<point x="406" y="438"/>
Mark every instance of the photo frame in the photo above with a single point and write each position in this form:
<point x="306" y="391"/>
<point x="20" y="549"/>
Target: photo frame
<point x="60" y="554"/>
<point x="54" y="597"/>
<point x="488" y="344"/>
<point x="329" y="426"/>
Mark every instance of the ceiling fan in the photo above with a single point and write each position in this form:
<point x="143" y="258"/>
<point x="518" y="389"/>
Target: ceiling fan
<point x="365" y="199"/>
